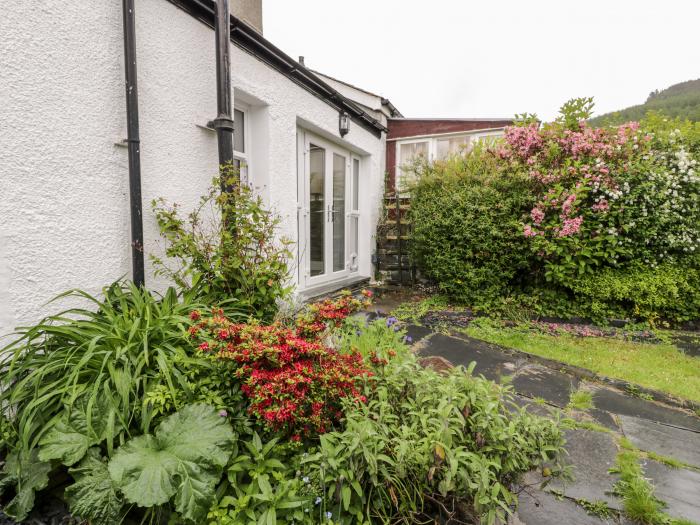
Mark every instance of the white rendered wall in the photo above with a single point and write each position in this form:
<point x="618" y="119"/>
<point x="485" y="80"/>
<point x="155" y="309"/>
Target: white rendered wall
<point x="64" y="203"/>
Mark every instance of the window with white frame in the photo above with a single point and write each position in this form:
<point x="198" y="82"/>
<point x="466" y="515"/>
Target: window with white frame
<point x="354" y="237"/>
<point x="241" y="143"/>
<point x="431" y="149"/>
<point x="408" y="154"/>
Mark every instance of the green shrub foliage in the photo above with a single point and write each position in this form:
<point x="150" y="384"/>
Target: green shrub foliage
<point x="467" y="232"/>
<point x="582" y="212"/>
<point x="228" y="248"/>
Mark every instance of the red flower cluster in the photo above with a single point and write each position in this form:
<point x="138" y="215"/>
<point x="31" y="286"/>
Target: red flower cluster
<point x="293" y="381"/>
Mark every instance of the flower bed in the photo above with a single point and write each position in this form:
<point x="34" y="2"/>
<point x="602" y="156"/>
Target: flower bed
<point x="161" y="408"/>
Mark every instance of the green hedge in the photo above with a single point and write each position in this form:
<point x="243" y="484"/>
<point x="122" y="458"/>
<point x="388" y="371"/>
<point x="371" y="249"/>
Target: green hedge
<point x="467" y="232"/>
<point x="670" y="290"/>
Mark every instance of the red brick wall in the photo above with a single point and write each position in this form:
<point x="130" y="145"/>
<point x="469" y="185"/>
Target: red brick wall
<point x="403" y="128"/>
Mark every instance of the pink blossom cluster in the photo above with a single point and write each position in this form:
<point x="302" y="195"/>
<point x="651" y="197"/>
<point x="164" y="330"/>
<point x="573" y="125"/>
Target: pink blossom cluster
<point x="601" y="206"/>
<point x="523" y="141"/>
<point x="537" y="216"/>
<point x="587" y="142"/>
<point x="567" y="206"/>
<point x="570" y="226"/>
<point x="529" y="232"/>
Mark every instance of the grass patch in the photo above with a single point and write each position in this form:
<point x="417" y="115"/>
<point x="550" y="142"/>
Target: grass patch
<point x="412" y="311"/>
<point x="658" y="366"/>
<point x="585" y="425"/>
<point x="637" y="492"/>
<point x="580" y="400"/>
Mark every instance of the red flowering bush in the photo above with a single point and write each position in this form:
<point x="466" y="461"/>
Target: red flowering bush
<point x="294" y="382"/>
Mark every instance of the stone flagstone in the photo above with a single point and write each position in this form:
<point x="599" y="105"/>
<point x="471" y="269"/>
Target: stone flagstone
<point x="678" y="488"/>
<point x="665" y="440"/>
<point x="591" y="454"/>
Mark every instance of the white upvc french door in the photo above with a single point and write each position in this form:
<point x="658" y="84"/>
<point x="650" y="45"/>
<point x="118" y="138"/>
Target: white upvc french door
<point x="327" y="211"/>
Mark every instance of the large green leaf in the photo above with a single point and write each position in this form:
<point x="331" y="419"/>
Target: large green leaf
<point x="28" y="474"/>
<point x="184" y="459"/>
<point x="93" y="496"/>
<point x="73" y="435"/>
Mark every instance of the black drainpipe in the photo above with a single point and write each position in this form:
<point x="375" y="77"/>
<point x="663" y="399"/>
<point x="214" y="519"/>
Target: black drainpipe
<point x="133" y="142"/>
<point x="223" y="123"/>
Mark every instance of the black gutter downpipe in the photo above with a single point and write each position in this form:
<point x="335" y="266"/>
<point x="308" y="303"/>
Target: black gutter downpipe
<point x="133" y="142"/>
<point x="223" y="123"/>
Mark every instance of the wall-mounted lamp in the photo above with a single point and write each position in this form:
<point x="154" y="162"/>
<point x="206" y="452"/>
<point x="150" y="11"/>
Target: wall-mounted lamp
<point x="344" y="124"/>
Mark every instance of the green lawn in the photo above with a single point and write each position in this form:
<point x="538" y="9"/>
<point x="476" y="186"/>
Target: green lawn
<point x="658" y="366"/>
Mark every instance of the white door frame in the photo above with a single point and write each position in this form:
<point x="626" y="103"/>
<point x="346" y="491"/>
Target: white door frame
<point x="306" y="280"/>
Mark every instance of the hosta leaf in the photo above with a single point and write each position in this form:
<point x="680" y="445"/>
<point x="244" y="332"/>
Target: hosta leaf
<point x="184" y="459"/>
<point x="72" y="436"/>
<point x="29" y="474"/>
<point x="93" y="496"/>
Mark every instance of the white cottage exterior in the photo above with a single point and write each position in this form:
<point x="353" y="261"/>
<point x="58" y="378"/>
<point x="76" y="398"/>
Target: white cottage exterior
<point x="64" y="203"/>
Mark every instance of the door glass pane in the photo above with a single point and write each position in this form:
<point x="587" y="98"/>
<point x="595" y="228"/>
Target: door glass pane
<point x="317" y="209"/>
<point x="355" y="184"/>
<point x="451" y="146"/>
<point x="354" y="241"/>
<point x="338" y="212"/>
<point x="239" y="131"/>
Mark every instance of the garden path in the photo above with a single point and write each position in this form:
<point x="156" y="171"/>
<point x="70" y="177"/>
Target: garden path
<point x="593" y="446"/>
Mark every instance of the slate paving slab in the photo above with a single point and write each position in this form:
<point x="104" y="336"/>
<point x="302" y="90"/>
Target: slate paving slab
<point x="649" y="425"/>
<point x="539" y="381"/>
<point x="603" y="418"/>
<point x="491" y="362"/>
<point x="678" y="443"/>
<point x="627" y="405"/>
<point x="679" y="488"/>
<point x="416" y="332"/>
<point x="542" y="508"/>
<point x="591" y="454"/>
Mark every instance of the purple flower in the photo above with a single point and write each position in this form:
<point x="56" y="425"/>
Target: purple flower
<point x="408" y="339"/>
<point x="391" y="321"/>
<point x="223" y="413"/>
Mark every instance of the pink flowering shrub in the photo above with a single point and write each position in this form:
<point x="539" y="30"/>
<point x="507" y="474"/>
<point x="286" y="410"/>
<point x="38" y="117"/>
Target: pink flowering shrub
<point x="539" y="220"/>
<point x="604" y="196"/>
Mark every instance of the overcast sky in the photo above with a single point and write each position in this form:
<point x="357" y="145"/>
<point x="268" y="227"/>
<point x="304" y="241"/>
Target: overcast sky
<point x="494" y="58"/>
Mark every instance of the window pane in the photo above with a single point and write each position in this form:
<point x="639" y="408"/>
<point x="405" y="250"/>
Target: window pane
<point x="338" y="212"/>
<point x="355" y="184"/>
<point x="317" y="211"/>
<point x="448" y="147"/>
<point x="410" y="152"/>
<point x="407" y="154"/>
<point x="238" y="131"/>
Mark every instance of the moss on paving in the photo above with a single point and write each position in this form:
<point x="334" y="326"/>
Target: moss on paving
<point x="658" y="366"/>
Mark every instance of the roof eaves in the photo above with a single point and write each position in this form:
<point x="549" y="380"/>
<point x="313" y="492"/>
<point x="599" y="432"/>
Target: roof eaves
<point x="249" y="40"/>
<point x="456" y="119"/>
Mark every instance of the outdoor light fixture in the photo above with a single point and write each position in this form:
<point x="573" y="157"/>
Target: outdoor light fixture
<point x="344" y="124"/>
